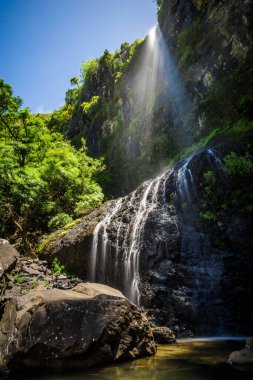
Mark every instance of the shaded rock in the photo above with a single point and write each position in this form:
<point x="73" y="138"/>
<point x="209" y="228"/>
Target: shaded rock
<point x="243" y="359"/>
<point x="8" y="257"/>
<point x="163" y="335"/>
<point x="88" y="325"/>
<point x="30" y="274"/>
<point x="70" y="245"/>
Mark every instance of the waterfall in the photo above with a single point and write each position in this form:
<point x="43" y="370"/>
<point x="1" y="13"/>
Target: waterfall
<point x="186" y="185"/>
<point x="124" y="265"/>
<point x="199" y="256"/>
<point x="118" y="239"/>
<point x="104" y="244"/>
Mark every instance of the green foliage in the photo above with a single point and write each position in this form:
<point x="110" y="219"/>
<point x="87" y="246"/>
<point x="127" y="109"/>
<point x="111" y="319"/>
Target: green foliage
<point x="59" y="220"/>
<point x="186" y="40"/>
<point x="72" y="96"/>
<point x="89" y="107"/>
<point x="60" y="119"/>
<point x="74" y="81"/>
<point x="58" y="268"/>
<point x="186" y="152"/>
<point x="88" y="71"/>
<point x="213" y="195"/>
<point x="230" y="99"/>
<point x="238" y="165"/>
<point x="162" y="6"/>
<point x="42" y="175"/>
<point x="208" y="215"/>
<point x="219" y="200"/>
<point x="35" y="283"/>
<point x="18" y="278"/>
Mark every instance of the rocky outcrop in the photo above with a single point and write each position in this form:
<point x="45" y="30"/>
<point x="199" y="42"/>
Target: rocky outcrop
<point x="243" y="359"/>
<point x="203" y="44"/>
<point x="8" y="257"/>
<point x="163" y="335"/>
<point x="78" y="328"/>
<point x="32" y="273"/>
<point x="70" y="246"/>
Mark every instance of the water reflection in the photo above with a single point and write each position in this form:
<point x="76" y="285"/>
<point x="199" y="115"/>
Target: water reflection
<point x="188" y="360"/>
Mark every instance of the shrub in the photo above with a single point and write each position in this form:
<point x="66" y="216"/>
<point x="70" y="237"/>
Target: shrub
<point x="57" y="267"/>
<point x="59" y="220"/>
<point x="238" y="165"/>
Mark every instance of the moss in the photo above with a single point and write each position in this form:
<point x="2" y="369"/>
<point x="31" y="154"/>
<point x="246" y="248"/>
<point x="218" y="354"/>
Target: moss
<point x="202" y="143"/>
<point x="75" y="222"/>
<point x="49" y="241"/>
<point x="186" y="40"/>
<point x="184" y="54"/>
<point x="201" y="4"/>
<point x="18" y="278"/>
<point x="230" y="99"/>
<point x="238" y="165"/>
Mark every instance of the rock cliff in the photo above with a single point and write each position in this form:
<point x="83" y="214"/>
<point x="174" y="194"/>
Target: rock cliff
<point x="192" y="77"/>
<point x="174" y="248"/>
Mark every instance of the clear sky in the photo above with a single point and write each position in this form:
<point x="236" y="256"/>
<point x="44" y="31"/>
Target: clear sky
<point x="44" y="42"/>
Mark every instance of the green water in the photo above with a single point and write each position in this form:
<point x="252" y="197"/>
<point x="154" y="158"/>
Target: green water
<point x="187" y="360"/>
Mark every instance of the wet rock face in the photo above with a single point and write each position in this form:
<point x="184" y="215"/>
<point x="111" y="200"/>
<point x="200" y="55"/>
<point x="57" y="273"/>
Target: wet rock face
<point x="154" y="247"/>
<point x="87" y="325"/>
<point x="222" y="39"/>
<point x="243" y="359"/>
<point x="70" y="246"/>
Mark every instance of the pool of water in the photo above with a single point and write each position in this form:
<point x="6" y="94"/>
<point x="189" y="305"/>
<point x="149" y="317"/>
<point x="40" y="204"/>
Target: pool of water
<point x="187" y="360"/>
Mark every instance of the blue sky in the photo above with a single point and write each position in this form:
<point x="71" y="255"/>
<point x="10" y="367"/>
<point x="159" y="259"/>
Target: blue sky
<point x="44" y="42"/>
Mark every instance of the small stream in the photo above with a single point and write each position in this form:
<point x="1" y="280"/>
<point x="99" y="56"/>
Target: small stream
<point x="188" y="360"/>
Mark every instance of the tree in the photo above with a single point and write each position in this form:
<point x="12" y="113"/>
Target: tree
<point x="41" y="173"/>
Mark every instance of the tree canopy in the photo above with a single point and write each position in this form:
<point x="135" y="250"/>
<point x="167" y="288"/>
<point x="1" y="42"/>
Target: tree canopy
<point x="44" y="181"/>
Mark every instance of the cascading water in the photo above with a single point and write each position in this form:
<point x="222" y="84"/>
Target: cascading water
<point x="104" y="244"/>
<point x="124" y="268"/>
<point x="201" y="259"/>
<point x="147" y="224"/>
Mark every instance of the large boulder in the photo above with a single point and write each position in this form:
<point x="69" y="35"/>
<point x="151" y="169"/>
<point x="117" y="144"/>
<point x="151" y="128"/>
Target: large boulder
<point x="163" y="335"/>
<point x="88" y="325"/>
<point x="243" y="359"/>
<point x="8" y="257"/>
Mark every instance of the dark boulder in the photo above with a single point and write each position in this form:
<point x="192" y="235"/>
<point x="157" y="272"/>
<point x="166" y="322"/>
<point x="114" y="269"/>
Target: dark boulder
<point x="243" y="359"/>
<point x="88" y="325"/>
<point x="8" y="257"/>
<point x="163" y="335"/>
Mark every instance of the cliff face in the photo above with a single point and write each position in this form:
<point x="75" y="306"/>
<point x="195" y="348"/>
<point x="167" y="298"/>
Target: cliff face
<point x="149" y="105"/>
<point x="178" y="245"/>
<point x="210" y="41"/>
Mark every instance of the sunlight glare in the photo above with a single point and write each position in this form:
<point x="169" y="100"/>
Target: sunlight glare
<point x="152" y="35"/>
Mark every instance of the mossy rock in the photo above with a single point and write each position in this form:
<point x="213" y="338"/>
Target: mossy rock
<point x="72" y="244"/>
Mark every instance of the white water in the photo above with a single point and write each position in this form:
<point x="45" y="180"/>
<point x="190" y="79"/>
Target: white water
<point x="102" y="225"/>
<point x="118" y="263"/>
<point x="129" y="250"/>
